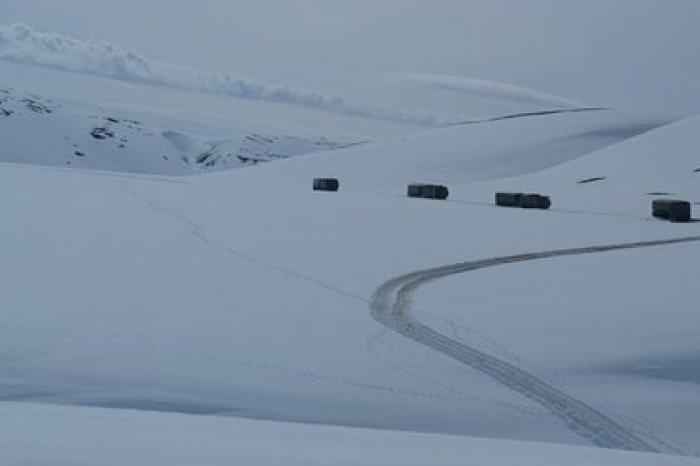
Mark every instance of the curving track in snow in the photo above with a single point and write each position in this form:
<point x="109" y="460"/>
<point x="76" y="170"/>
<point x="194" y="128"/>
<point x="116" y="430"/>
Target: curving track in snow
<point x="391" y="304"/>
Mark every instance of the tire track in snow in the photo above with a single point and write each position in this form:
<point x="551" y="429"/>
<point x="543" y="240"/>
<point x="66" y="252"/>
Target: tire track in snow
<point x="579" y="417"/>
<point x="391" y="306"/>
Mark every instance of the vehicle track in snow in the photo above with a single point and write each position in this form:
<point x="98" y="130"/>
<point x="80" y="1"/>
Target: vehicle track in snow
<point x="391" y="306"/>
<point x="583" y="419"/>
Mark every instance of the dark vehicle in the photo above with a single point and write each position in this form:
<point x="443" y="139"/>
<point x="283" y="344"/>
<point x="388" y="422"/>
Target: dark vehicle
<point x="326" y="184"/>
<point x="428" y="191"/>
<point x="525" y="201"/>
<point x="671" y="210"/>
<point x="535" y="201"/>
<point x="508" y="199"/>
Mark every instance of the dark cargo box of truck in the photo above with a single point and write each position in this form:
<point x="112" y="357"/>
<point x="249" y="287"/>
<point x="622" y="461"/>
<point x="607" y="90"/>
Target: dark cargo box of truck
<point x="428" y="191"/>
<point x="508" y="199"/>
<point x="525" y="201"/>
<point x="415" y="190"/>
<point x="672" y="210"/>
<point x="535" y="201"/>
<point x="326" y="184"/>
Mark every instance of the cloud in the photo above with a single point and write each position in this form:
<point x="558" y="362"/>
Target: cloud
<point x="492" y="90"/>
<point x="20" y="43"/>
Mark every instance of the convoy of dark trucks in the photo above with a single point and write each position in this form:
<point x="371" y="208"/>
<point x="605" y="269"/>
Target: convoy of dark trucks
<point x="666" y="209"/>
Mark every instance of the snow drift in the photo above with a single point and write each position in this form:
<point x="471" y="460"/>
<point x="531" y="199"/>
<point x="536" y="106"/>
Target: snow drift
<point x="22" y="44"/>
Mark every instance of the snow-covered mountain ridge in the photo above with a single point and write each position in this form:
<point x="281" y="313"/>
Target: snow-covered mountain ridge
<point x="43" y="131"/>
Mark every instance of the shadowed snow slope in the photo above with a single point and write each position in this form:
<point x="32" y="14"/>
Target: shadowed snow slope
<point x="662" y="163"/>
<point x="59" y="435"/>
<point x="468" y="153"/>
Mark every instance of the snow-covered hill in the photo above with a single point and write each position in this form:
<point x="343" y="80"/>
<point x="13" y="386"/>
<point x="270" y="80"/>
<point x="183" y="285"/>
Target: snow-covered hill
<point x="43" y="131"/>
<point x="161" y="294"/>
<point x="142" y="309"/>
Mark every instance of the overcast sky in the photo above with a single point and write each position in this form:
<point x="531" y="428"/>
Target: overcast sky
<point x="636" y="54"/>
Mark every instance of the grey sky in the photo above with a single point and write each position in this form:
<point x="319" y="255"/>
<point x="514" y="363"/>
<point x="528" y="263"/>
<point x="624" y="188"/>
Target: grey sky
<point x="637" y="54"/>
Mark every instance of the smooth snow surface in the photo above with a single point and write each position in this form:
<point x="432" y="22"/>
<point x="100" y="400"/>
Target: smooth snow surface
<point x="40" y="434"/>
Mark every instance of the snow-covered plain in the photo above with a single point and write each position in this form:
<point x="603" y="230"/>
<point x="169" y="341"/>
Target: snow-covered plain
<point x="243" y="294"/>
